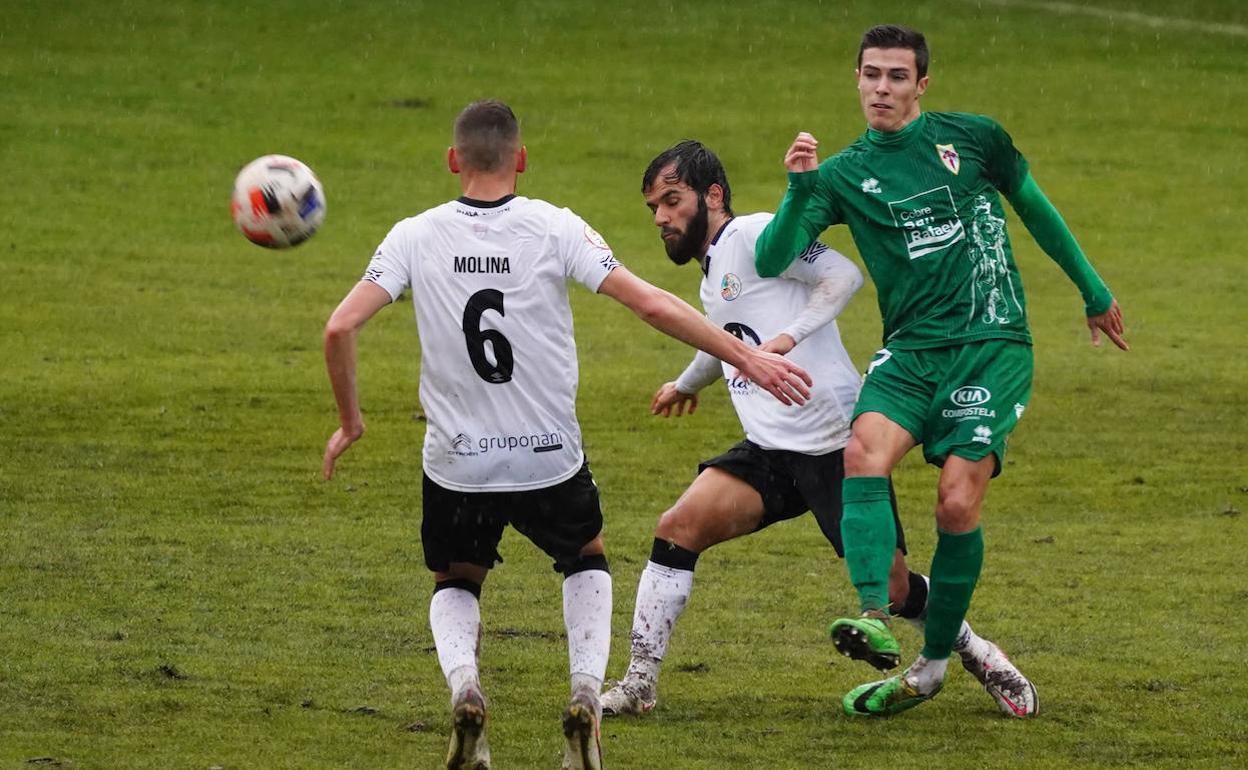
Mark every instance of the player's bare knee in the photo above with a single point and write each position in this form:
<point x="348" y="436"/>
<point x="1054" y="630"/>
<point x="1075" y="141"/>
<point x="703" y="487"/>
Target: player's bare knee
<point x="862" y="458"/>
<point x="680" y="525"/>
<point x="857" y="459"/>
<point x="957" y="508"/>
<point x="595" y="547"/>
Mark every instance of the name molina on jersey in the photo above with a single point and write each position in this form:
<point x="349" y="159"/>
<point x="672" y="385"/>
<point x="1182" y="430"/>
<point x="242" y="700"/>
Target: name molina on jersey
<point x="474" y="264"/>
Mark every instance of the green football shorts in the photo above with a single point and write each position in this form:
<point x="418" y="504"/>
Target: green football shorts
<point x="962" y="400"/>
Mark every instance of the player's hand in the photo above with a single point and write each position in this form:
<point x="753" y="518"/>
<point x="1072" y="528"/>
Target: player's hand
<point x="1109" y="322"/>
<point x="777" y="375"/>
<point x="342" y="439"/>
<point x="668" y="398"/>
<point x="779" y="344"/>
<point x="801" y="155"/>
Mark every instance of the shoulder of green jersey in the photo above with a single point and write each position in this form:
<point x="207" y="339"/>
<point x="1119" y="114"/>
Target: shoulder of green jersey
<point x="969" y="120"/>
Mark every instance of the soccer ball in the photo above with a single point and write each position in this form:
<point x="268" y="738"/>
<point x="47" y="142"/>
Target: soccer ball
<point x="278" y="202"/>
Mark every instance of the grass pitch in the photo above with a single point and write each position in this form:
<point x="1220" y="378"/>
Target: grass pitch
<point x="177" y="588"/>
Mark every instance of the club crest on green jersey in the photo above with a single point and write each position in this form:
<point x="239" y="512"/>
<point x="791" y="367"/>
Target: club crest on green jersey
<point x="949" y="157"/>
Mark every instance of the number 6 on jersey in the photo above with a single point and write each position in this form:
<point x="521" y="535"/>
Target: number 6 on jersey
<point x="475" y="338"/>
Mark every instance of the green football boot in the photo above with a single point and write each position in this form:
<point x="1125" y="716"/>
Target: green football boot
<point x="884" y="698"/>
<point x="867" y="638"/>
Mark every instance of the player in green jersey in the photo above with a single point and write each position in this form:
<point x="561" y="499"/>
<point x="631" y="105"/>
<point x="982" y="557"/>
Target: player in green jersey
<point x="920" y="193"/>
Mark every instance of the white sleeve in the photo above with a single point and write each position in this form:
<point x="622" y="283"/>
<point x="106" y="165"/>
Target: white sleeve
<point x="701" y="371"/>
<point x="833" y="280"/>
<point x="390" y="266"/>
<point x="586" y="256"/>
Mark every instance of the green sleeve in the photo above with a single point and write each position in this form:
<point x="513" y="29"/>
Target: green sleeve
<point x="1005" y="166"/>
<point x="804" y="213"/>
<point x="1046" y="226"/>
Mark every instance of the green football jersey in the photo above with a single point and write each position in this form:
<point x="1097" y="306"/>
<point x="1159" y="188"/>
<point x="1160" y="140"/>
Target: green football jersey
<point x="924" y="211"/>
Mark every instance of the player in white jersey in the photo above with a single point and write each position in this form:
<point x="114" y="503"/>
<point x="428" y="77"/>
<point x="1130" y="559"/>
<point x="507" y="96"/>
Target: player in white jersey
<point x="488" y="274"/>
<point x="792" y="459"/>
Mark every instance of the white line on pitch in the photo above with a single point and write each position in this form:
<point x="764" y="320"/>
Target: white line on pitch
<point x="1132" y="17"/>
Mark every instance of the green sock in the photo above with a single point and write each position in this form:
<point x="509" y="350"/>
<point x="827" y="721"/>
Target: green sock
<point x="955" y="570"/>
<point x="870" y="538"/>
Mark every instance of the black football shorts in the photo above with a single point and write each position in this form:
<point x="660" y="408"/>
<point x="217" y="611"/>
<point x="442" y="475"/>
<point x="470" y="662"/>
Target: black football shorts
<point x="467" y="526"/>
<point x="792" y="483"/>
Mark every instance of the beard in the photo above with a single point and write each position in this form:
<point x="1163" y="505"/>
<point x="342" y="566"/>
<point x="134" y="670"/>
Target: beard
<point x="689" y="245"/>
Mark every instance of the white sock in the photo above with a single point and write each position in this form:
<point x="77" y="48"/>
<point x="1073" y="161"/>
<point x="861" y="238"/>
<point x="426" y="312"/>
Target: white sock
<point x="587" y="615"/>
<point x="971" y="644"/>
<point x="455" y="617"/>
<point x="662" y="594"/>
<point x="926" y="674"/>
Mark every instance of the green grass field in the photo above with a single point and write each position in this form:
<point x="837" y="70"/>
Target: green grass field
<point x="179" y="590"/>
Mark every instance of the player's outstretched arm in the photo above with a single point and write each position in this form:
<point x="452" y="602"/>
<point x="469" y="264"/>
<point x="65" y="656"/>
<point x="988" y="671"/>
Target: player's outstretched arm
<point x="801" y="215"/>
<point x="833" y="280"/>
<point x="1053" y="236"/>
<point x="803" y="154"/>
<point x="340" y="333"/>
<point x="788" y="382"/>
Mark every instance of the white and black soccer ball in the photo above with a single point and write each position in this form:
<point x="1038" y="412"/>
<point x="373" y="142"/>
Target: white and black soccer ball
<point x="278" y="202"/>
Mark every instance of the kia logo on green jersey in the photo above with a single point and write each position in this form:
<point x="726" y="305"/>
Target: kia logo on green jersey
<point x="970" y="395"/>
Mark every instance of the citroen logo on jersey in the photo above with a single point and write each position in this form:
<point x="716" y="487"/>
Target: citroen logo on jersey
<point x="462" y="445"/>
<point x="871" y="185"/>
<point x="730" y="287"/>
<point x="949" y="157"/>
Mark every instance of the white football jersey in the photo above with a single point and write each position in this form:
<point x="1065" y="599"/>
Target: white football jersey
<point x="755" y="309"/>
<point x="498" y="369"/>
